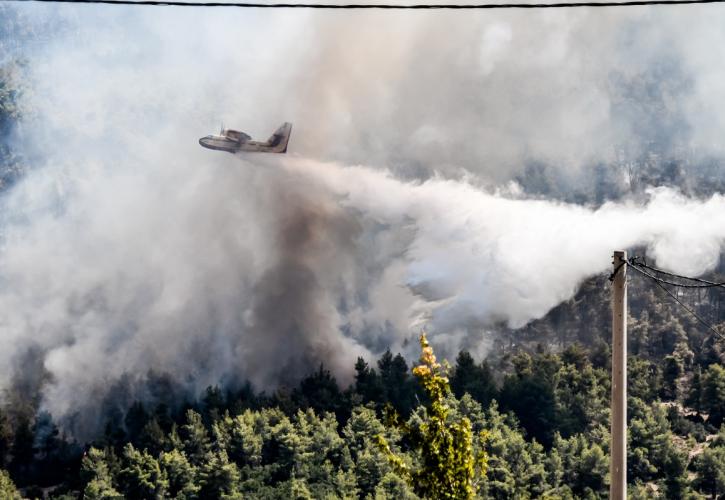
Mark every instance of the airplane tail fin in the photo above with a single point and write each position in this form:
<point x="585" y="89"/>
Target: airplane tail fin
<point x="279" y="139"/>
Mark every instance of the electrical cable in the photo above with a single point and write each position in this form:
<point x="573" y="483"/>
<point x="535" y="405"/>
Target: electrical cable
<point x="708" y="284"/>
<point x="658" y="282"/>
<point x="254" y="5"/>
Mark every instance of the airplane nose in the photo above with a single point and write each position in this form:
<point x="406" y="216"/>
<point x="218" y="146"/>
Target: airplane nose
<point x="214" y="142"/>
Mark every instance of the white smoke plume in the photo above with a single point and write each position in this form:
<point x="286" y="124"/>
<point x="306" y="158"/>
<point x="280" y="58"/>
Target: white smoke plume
<point x="132" y="250"/>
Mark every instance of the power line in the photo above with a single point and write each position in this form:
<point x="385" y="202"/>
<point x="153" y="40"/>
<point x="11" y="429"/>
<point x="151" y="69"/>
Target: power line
<point x="707" y="284"/>
<point x="659" y="283"/>
<point x="254" y="5"/>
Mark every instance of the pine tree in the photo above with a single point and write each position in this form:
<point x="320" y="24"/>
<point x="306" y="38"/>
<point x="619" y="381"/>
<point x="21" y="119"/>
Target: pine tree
<point x="396" y="383"/>
<point x="371" y="465"/>
<point x="671" y="372"/>
<point x="713" y="394"/>
<point x="153" y="438"/>
<point x="98" y="477"/>
<point x="476" y="380"/>
<point x="181" y="475"/>
<point x="136" y="419"/>
<point x="141" y="477"/>
<point x="196" y="438"/>
<point x="709" y="468"/>
<point x="584" y="466"/>
<point x="219" y="478"/>
<point x="531" y="393"/>
<point x="515" y="467"/>
<point x="694" y="396"/>
<point x="367" y="382"/>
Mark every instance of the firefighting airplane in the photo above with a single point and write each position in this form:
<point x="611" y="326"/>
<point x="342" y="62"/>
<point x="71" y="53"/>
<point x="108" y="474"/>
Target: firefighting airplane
<point x="235" y="141"/>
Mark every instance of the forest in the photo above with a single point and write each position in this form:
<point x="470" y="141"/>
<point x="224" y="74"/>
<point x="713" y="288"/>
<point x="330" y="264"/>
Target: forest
<point x="540" y="418"/>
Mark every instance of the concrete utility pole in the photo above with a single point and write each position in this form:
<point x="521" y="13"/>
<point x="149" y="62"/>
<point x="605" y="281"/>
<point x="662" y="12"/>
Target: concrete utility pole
<point x="618" y="448"/>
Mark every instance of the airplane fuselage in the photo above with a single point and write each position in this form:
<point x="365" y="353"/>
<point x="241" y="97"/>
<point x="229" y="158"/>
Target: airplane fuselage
<point x="221" y="143"/>
<point x="234" y="141"/>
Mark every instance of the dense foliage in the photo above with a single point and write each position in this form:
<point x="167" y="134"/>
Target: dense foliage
<point x="542" y="424"/>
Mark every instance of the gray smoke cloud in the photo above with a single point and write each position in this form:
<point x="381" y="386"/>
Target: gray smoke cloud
<point x="399" y="206"/>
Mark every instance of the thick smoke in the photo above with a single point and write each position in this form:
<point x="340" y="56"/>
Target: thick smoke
<point x="130" y="250"/>
<point x="484" y="257"/>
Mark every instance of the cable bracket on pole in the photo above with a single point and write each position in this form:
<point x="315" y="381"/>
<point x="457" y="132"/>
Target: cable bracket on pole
<point x="616" y="271"/>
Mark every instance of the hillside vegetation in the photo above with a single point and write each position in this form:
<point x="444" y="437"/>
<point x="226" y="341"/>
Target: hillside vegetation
<point x="543" y="426"/>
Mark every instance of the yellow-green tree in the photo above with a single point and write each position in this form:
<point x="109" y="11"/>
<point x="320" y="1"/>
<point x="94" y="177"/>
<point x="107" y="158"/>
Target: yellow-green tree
<point x="7" y="488"/>
<point x="447" y="464"/>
